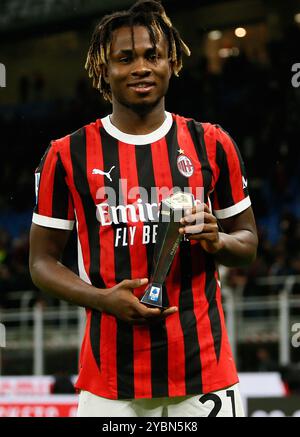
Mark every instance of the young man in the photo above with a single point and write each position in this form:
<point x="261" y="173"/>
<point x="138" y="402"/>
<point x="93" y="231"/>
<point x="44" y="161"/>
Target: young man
<point x="137" y="360"/>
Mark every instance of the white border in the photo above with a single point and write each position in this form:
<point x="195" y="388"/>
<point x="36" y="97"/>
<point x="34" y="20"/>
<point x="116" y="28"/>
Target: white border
<point x="138" y="140"/>
<point x="82" y="272"/>
<point x="51" y="222"/>
<point x="234" y="209"/>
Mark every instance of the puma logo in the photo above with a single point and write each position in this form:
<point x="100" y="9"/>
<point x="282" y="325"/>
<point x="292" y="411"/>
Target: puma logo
<point x="107" y="174"/>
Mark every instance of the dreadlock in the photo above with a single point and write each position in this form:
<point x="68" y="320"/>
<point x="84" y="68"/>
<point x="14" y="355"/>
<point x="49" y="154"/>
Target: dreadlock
<point x="148" y="13"/>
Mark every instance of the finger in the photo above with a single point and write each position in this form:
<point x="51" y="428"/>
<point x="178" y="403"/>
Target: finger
<point x="161" y="315"/>
<point x="203" y="207"/>
<point x="203" y="237"/>
<point x="145" y="312"/>
<point x="209" y="217"/>
<point x="197" y="229"/>
<point x="194" y="229"/>
<point x="196" y="209"/>
<point x="133" y="283"/>
<point x="206" y="208"/>
<point x="158" y="313"/>
<point x="168" y="312"/>
<point x="198" y="218"/>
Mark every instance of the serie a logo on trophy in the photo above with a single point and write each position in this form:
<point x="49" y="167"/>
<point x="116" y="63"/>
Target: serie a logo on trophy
<point x="167" y="241"/>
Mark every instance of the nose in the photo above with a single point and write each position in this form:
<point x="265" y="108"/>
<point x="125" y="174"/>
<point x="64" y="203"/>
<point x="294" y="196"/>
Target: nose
<point x="140" y="68"/>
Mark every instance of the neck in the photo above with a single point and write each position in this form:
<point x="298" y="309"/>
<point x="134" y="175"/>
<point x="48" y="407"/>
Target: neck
<point x="138" y="121"/>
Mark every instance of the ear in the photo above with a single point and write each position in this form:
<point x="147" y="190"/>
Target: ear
<point x="105" y="74"/>
<point x="171" y="68"/>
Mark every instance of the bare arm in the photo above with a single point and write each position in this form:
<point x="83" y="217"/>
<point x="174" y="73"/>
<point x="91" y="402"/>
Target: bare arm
<point x="239" y="240"/>
<point x="48" y="274"/>
<point x="236" y="246"/>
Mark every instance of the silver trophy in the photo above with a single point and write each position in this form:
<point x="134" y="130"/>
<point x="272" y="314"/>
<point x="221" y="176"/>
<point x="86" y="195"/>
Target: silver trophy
<point x="167" y="241"/>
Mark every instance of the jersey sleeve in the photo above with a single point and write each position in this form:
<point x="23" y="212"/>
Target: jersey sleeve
<point x="54" y="206"/>
<point x="230" y="195"/>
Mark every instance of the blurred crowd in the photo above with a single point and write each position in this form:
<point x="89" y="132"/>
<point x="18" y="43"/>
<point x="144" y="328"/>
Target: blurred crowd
<point x="253" y="100"/>
<point x="14" y="274"/>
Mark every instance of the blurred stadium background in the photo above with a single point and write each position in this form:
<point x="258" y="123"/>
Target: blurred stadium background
<point x="240" y="76"/>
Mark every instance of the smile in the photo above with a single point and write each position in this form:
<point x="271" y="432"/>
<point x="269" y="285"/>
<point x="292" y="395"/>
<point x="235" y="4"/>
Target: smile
<point x="142" y="87"/>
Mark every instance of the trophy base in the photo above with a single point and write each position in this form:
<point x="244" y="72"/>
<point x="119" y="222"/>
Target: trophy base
<point x="153" y="296"/>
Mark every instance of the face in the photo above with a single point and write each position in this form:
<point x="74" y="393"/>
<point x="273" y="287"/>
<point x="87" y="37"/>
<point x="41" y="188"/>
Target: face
<point x="138" y="78"/>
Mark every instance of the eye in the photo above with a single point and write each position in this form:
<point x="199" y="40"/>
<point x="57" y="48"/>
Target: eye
<point x="153" y="57"/>
<point x="124" y="60"/>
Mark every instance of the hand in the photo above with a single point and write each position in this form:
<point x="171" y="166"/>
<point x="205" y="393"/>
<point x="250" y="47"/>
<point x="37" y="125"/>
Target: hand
<point x="122" y="303"/>
<point x="201" y="225"/>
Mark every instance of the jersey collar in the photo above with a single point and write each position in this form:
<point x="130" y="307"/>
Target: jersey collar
<point x="138" y="139"/>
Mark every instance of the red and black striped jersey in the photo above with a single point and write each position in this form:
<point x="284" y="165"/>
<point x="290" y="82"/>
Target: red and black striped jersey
<point x="110" y="184"/>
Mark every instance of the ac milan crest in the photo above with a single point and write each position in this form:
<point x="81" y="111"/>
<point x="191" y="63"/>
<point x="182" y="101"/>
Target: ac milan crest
<point x="185" y="166"/>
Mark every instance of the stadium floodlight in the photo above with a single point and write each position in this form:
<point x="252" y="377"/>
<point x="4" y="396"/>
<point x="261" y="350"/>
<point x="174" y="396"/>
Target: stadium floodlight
<point x="228" y="52"/>
<point x="240" y="32"/>
<point x="215" y="35"/>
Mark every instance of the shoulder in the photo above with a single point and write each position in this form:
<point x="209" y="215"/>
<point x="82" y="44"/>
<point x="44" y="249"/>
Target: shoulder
<point x="60" y="144"/>
<point x="208" y="129"/>
<point x="212" y="133"/>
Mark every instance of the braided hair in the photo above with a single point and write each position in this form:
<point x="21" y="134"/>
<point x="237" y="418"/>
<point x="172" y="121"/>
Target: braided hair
<point x="148" y="13"/>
